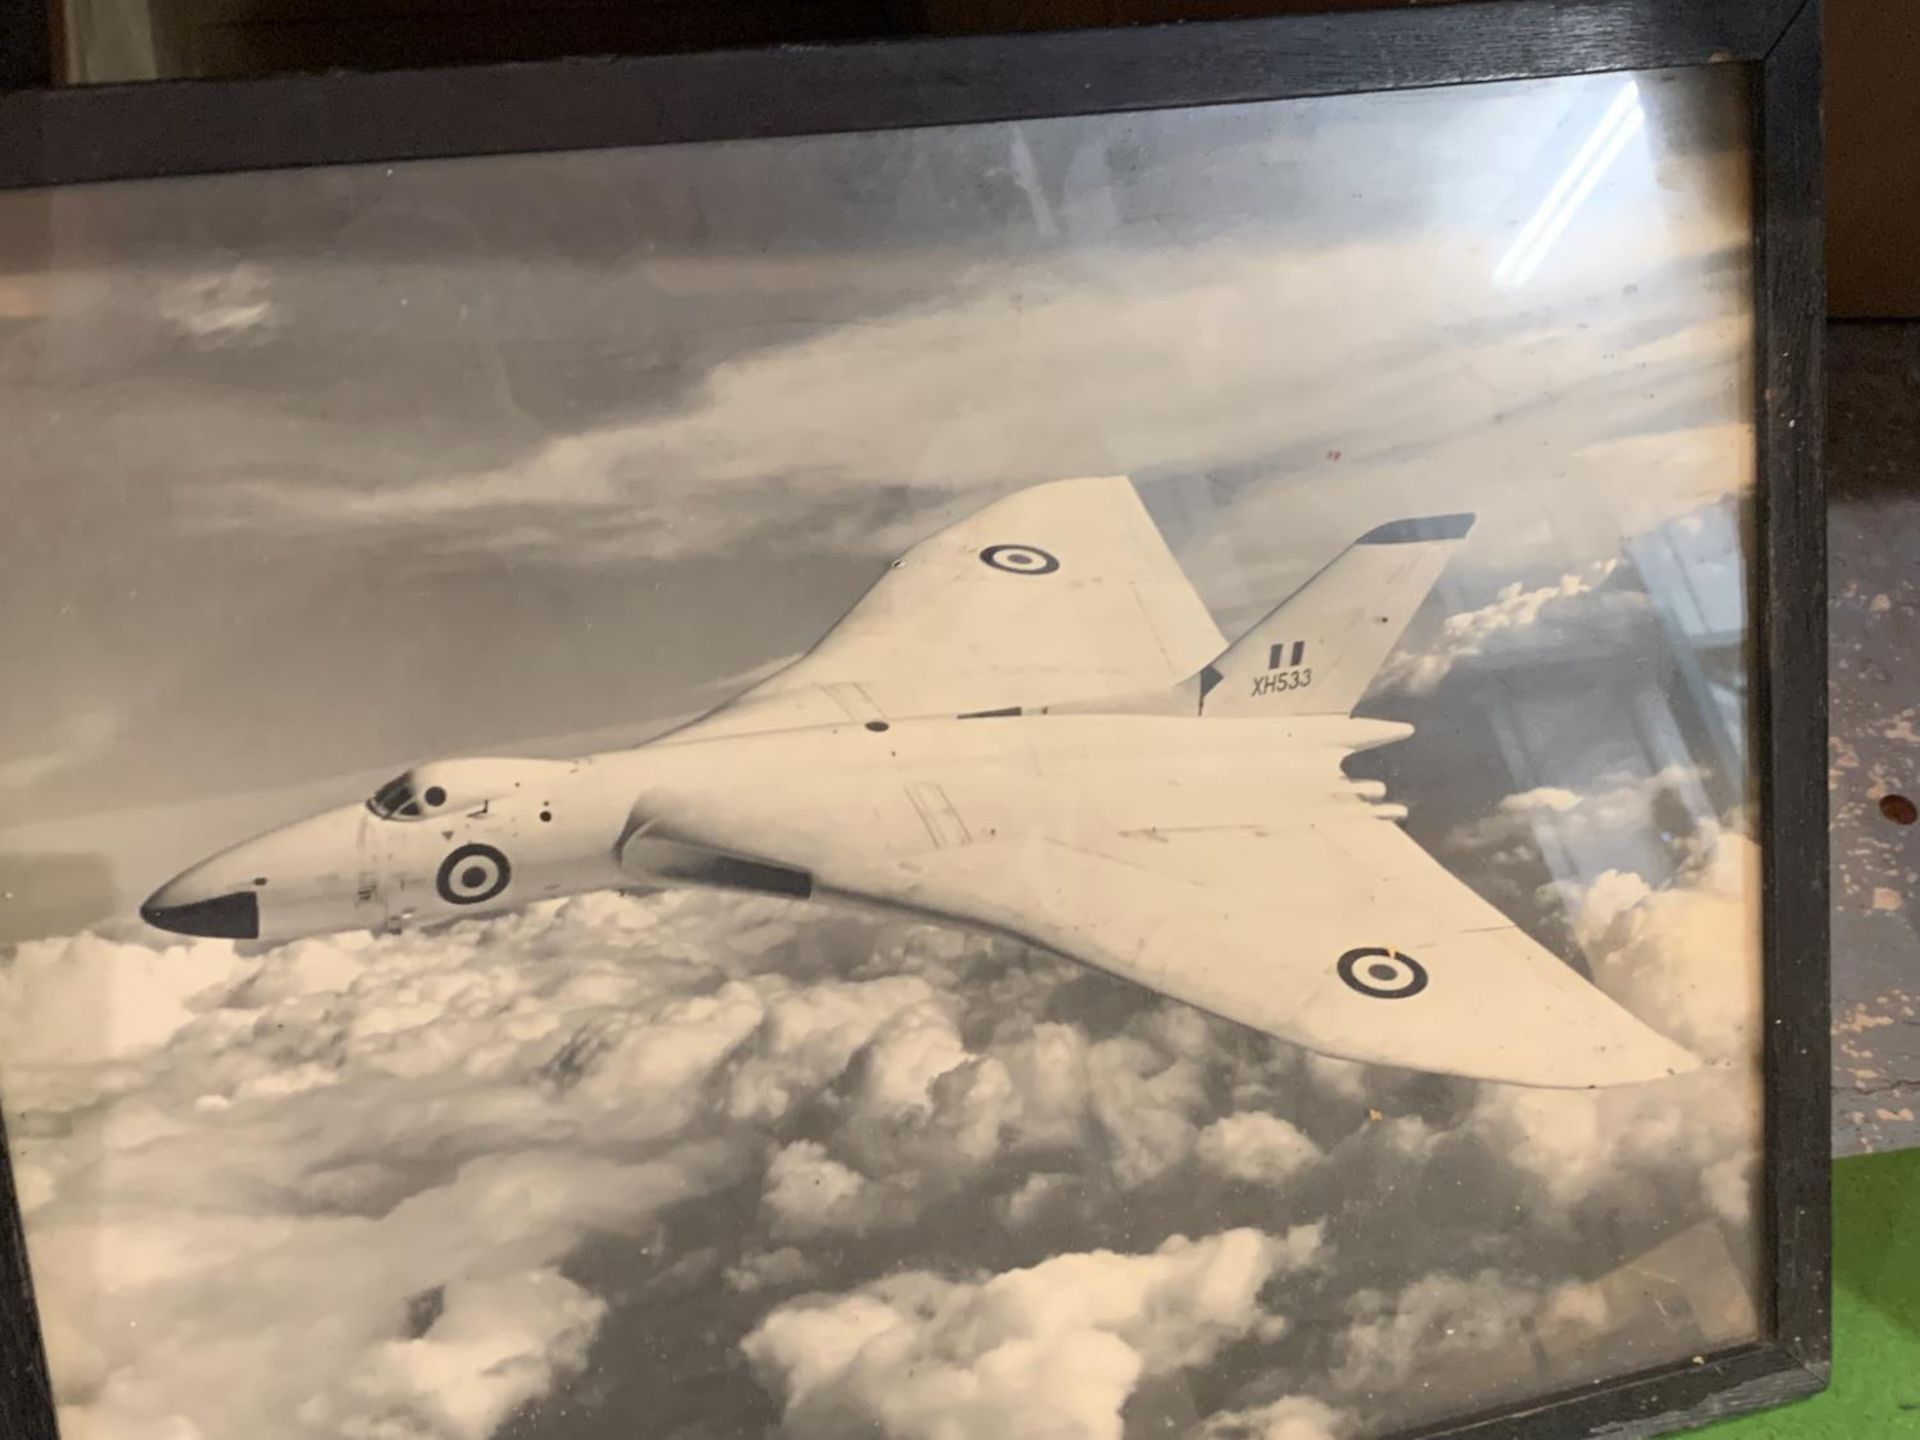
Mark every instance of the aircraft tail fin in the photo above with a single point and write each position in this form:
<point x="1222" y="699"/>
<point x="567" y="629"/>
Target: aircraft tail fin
<point x="1318" y="651"/>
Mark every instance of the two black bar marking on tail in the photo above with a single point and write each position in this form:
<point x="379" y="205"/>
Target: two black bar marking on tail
<point x="1276" y="654"/>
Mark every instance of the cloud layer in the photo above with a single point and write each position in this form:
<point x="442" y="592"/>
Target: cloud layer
<point x="1255" y="302"/>
<point x="1032" y="1354"/>
<point x="405" y="1187"/>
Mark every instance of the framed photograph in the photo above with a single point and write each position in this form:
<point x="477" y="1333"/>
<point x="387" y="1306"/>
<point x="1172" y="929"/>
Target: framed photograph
<point x="1092" y="735"/>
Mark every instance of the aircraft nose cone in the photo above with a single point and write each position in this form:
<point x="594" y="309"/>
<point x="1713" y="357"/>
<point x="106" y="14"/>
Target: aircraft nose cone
<point x="227" y="917"/>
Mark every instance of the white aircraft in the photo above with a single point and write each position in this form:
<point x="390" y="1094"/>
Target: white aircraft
<point x="1029" y="725"/>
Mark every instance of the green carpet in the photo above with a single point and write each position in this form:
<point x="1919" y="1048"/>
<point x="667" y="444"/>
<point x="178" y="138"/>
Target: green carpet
<point x="1876" y="1314"/>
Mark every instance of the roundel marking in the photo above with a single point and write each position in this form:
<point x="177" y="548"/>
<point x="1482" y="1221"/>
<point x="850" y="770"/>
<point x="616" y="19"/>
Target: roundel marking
<point x="472" y="874"/>
<point x="1385" y="975"/>
<point x="1020" y="559"/>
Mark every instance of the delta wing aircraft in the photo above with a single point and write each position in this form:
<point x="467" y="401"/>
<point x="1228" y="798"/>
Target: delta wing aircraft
<point x="1030" y="725"/>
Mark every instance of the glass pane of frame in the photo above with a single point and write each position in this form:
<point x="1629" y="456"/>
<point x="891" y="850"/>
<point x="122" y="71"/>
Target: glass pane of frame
<point x="1251" y="929"/>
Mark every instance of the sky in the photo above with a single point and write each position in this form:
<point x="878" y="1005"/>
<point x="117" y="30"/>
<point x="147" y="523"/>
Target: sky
<point x="321" y="472"/>
<point x="318" y="473"/>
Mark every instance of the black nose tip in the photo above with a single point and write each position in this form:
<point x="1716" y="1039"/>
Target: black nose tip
<point x="227" y="917"/>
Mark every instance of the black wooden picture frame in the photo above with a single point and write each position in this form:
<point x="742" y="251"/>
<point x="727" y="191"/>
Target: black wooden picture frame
<point x="59" y="137"/>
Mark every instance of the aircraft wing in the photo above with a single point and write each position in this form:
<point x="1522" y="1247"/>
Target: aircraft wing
<point x="1058" y="592"/>
<point x="1343" y="936"/>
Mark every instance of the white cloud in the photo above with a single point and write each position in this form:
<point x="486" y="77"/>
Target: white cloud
<point x="1450" y="1342"/>
<point x="1050" y="1351"/>
<point x="1293" y="1417"/>
<point x="1051" y="1070"/>
<point x="1038" y="1197"/>
<point x="809" y="1035"/>
<point x="1614" y="804"/>
<point x="1145" y="1105"/>
<point x="238" y="1321"/>
<point x="1256" y="1148"/>
<point x="87" y="1000"/>
<point x="496" y="1344"/>
<point x="1437" y="1319"/>
<point x="767" y="1269"/>
<point x="808" y="1193"/>
<point x="1685" y="959"/>
<point x="1519" y="619"/>
<point x="1702" y="1129"/>
<point x="1345" y="1078"/>
<point x="1541" y="797"/>
<point x="905" y="1059"/>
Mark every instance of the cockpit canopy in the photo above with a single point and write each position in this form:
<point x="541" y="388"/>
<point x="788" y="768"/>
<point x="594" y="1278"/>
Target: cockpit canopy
<point x="443" y="787"/>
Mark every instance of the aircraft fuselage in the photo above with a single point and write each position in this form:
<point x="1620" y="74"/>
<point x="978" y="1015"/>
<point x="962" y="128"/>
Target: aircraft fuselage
<point x="840" y="809"/>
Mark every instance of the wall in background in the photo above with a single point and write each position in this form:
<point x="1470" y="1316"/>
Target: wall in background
<point x="1873" y="158"/>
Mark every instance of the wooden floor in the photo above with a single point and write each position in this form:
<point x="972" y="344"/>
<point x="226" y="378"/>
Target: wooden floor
<point x="1873" y="446"/>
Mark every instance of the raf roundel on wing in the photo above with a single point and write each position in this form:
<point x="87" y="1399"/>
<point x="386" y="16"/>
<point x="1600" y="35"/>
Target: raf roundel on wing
<point x="1384" y="974"/>
<point x="1020" y="559"/>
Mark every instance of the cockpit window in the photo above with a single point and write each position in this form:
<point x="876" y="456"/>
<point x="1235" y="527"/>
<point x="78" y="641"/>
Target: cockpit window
<point x="394" y="798"/>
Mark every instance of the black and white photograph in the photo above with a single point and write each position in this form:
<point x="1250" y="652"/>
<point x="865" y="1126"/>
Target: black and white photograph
<point x="1075" y="779"/>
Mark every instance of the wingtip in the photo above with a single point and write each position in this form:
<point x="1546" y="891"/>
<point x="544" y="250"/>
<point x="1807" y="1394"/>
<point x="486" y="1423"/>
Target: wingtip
<point x="1418" y="529"/>
<point x="1657" y="1060"/>
<point x="1633" y="1054"/>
